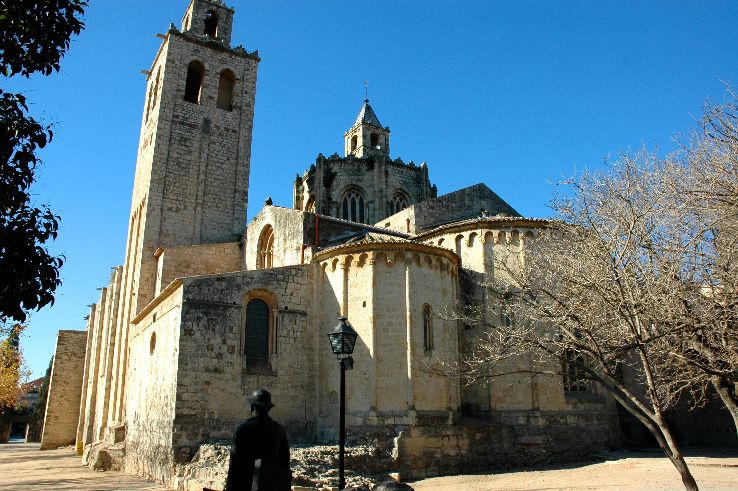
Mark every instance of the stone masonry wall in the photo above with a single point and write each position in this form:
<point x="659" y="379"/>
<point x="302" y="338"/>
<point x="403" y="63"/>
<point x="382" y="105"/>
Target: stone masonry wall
<point x="65" y="390"/>
<point x="151" y="387"/>
<point x="481" y="244"/>
<point x="377" y="177"/>
<point x="197" y="260"/>
<point x="459" y="205"/>
<point x="288" y="227"/>
<point x="383" y="294"/>
<point x="510" y="439"/>
<point x="214" y="377"/>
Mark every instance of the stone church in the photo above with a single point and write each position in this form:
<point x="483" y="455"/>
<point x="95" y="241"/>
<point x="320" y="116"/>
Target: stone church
<point x="207" y="307"/>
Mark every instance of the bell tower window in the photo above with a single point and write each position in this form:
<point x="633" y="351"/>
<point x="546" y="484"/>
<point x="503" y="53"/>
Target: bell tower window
<point x="374" y="139"/>
<point x="354" y="143"/>
<point x="211" y="24"/>
<point x="225" y="90"/>
<point x="193" y="85"/>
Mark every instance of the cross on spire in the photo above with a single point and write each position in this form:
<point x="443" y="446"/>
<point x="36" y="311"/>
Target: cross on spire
<point x="366" y="90"/>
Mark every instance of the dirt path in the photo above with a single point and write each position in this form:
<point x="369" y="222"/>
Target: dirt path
<point x="24" y="466"/>
<point x="622" y="471"/>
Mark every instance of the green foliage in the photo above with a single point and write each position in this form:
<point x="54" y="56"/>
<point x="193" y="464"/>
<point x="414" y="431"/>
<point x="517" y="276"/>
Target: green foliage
<point x="30" y="274"/>
<point x="34" y="34"/>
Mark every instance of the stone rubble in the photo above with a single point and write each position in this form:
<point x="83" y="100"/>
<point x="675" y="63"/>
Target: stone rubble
<point x="313" y="467"/>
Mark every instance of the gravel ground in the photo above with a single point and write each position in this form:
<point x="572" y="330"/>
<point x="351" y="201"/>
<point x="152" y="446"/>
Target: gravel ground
<point x="24" y="466"/>
<point x="631" y="471"/>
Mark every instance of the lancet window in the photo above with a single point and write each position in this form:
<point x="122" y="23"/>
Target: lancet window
<point x="353" y="206"/>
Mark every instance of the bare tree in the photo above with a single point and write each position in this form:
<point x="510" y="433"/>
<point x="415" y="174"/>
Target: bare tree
<point x="701" y="183"/>
<point x="587" y="294"/>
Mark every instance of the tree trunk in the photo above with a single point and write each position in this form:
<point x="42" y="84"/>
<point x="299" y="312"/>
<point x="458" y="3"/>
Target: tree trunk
<point x="728" y="397"/>
<point x="660" y="430"/>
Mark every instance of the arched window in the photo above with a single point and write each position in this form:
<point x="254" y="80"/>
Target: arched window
<point x="398" y="203"/>
<point x="225" y="90"/>
<point x="507" y="316"/>
<point x="258" y="320"/>
<point x="211" y="24"/>
<point x="195" y="73"/>
<point x="574" y="371"/>
<point x="459" y="239"/>
<point x="374" y="140"/>
<point x="265" y="248"/>
<point x="310" y="206"/>
<point x="353" y="206"/>
<point x="427" y="328"/>
<point x="354" y="143"/>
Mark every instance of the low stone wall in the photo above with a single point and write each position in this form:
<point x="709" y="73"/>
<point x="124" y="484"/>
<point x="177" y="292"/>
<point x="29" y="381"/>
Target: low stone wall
<point x="504" y="440"/>
<point x="497" y="441"/>
<point x="313" y="467"/>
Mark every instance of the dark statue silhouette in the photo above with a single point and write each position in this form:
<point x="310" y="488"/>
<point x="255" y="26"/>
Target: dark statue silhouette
<point x="260" y="454"/>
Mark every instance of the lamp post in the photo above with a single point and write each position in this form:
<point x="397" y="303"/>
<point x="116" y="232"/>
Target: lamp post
<point x="343" y="338"/>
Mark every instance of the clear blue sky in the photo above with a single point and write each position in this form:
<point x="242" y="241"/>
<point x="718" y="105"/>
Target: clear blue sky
<point x="515" y="94"/>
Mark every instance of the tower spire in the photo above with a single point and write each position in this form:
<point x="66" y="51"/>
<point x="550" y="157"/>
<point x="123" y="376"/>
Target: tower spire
<point x="367" y="135"/>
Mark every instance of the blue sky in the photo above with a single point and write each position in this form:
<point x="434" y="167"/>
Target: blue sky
<point x="515" y="94"/>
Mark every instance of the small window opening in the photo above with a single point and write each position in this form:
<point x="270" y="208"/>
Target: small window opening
<point x="211" y="24"/>
<point x="354" y="143"/>
<point x="374" y="140"/>
<point x="152" y="343"/>
<point x="225" y="90"/>
<point x="193" y="86"/>
<point x="427" y="328"/>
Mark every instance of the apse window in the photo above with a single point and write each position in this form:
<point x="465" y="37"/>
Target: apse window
<point x="152" y="343"/>
<point x="427" y="328"/>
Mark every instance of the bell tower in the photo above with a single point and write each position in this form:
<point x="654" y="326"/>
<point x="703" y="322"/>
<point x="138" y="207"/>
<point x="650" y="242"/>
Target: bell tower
<point x="367" y="136"/>
<point x="192" y="171"/>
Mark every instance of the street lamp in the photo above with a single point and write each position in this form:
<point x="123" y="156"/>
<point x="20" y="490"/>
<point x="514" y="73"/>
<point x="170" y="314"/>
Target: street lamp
<point x="343" y="338"/>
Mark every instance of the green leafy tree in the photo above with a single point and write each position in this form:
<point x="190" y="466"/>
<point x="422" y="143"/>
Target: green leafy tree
<point x="34" y="36"/>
